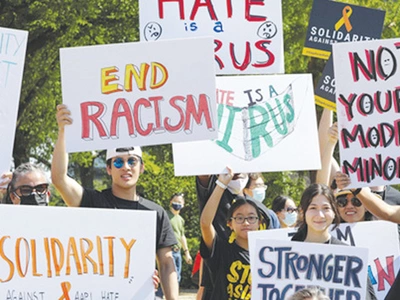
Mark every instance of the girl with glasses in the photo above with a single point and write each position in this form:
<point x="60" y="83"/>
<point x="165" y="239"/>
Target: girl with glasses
<point x="229" y="263"/>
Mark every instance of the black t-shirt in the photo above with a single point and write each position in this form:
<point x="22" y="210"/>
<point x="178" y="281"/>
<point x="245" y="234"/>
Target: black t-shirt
<point x="269" y="218"/>
<point x="165" y="236"/>
<point x="230" y="265"/>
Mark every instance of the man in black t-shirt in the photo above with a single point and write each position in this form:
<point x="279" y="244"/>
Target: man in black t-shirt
<point x="124" y="166"/>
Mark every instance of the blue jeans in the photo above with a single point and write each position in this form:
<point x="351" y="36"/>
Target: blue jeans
<point x="178" y="263"/>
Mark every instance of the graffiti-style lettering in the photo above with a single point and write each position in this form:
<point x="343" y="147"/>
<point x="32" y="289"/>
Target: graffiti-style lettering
<point x="381" y="65"/>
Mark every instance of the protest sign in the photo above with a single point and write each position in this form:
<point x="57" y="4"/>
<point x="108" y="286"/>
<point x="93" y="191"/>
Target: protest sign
<point x="280" y="268"/>
<point x="248" y="34"/>
<point x="261" y="120"/>
<point x="12" y="58"/>
<point x="135" y="94"/>
<point x="332" y="22"/>
<point x="366" y="23"/>
<point x="383" y="262"/>
<point x="52" y="253"/>
<point x="384" y="253"/>
<point x="368" y="106"/>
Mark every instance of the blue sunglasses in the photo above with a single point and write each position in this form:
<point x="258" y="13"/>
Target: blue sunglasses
<point x="119" y="162"/>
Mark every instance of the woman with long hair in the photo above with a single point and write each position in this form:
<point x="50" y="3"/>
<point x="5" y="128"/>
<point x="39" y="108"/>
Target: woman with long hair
<point x="319" y="212"/>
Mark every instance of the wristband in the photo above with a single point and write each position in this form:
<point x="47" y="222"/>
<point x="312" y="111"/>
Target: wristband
<point x="221" y="185"/>
<point x="184" y="251"/>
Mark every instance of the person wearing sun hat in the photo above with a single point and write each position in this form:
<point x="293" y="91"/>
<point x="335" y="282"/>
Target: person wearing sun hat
<point x="124" y="165"/>
<point x="350" y="208"/>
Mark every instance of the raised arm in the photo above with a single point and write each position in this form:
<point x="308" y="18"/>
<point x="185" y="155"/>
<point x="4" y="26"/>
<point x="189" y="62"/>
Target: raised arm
<point x="327" y="160"/>
<point x="210" y="209"/>
<point x="371" y="201"/>
<point x="71" y="191"/>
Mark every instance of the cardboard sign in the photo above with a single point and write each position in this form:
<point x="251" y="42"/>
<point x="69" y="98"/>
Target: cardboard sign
<point x="12" y="58"/>
<point x="383" y="262"/>
<point x="136" y="94"/>
<point x="261" y="120"/>
<point x="368" y="110"/>
<point x="248" y="34"/>
<point x="332" y="22"/>
<point x="280" y="268"/>
<point x="52" y="253"/>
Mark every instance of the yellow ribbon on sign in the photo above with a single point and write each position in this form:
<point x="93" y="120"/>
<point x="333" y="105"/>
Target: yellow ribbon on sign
<point x="65" y="286"/>
<point x="346" y="12"/>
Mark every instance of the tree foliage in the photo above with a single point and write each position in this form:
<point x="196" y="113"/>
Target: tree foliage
<point x="55" y="24"/>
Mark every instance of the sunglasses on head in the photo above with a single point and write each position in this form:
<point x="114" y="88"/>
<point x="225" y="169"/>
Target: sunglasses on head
<point x="342" y="201"/>
<point x="27" y="190"/>
<point x="119" y="162"/>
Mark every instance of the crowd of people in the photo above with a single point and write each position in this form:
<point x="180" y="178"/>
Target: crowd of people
<point x="231" y="205"/>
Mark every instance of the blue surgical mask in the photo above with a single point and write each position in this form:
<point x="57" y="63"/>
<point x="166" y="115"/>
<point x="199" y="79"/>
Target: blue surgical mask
<point x="259" y="194"/>
<point x="177" y="206"/>
<point x="290" y="218"/>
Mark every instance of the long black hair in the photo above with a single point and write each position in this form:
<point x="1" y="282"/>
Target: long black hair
<point x="309" y="194"/>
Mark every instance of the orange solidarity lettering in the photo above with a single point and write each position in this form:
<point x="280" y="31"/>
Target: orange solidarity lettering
<point x="74" y="255"/>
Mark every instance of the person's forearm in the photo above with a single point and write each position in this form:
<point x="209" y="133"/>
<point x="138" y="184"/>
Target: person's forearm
<point x="184" y="243"/>
<point x="324" y="175"/>
<point x="378" y="207"/>
<point x="59" y="165"/>
<point x="169" y="281"/>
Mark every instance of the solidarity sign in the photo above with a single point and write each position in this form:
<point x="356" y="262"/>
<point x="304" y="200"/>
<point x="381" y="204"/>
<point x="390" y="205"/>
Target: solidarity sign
<point x="64" y="253"/>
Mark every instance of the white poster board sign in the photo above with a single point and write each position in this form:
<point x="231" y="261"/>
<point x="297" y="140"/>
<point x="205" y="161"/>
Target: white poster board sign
<point x="368" y="107"/>
<point x="248" y="34"/>
<point x="265" y="124"/>
<point x="136" y="94"/>
<point x="52" y="253"/>
<point x="383" y="262"/>
<point x="280" y="268"/>
<point x="12" y="58"/>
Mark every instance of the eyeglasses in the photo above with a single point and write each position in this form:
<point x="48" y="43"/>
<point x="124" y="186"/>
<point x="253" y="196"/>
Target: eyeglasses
<point x="250" y="220"/>
<point x="291" y="209"/>
<point x="262" y="186"/>
<point x="119" y="162"/>
<point x="342" y="201"/>
<point x="27" y="190"/>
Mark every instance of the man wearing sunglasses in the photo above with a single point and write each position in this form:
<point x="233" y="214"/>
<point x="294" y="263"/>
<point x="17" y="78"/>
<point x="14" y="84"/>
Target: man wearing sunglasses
<point x="124" y="166"/>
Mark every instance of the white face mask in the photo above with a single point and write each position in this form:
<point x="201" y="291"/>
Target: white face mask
<point x="236" y="186"/>
<point x="290" y="218"/>
<point x="259" y="194"/>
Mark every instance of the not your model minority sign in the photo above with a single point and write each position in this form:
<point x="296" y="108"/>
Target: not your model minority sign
<point x="368" y="106"/>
